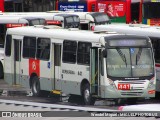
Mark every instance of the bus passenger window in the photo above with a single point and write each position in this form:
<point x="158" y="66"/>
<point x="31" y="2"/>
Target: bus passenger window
<point x="8" y="45"/>
<point x="156" y="48"/>
<point x="2" y="32"/>
<point x="83" y="53"/>
<point x="43" y="48"/>
<point x="69" y="51"/>
<point x="29" y="47"/>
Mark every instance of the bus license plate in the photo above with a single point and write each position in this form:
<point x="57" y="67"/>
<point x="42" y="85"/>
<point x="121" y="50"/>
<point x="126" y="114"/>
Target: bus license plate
<point x="123" y="86"/>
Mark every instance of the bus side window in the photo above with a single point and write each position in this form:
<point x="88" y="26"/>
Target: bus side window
<point x="2" y="32"/>
<point x="69" y="51"/>
<point x="43" y="48"/>
<point x="83" y="53"/>
<point x="29" y="47"/>
<point x="8" y="45"/>
<point x="156" y="48"/>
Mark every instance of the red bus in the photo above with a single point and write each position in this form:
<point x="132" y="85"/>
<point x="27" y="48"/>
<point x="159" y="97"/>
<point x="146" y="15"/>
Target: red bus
<point x="122" y="11"/>
<point x="151" y="12"/>
<point x="27" y="5"/>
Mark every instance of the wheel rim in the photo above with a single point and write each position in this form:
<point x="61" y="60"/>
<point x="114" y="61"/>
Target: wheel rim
<point x="87" y="95"/>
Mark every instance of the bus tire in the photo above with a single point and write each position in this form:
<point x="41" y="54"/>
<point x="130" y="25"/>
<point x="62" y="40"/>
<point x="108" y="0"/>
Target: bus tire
<point x="35" y="86"/>
<point x="88" y="100"/>
<point x="1" y="71"/>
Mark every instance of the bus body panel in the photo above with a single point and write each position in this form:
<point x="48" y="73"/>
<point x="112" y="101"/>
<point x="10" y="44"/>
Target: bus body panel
<point x="6" y="20"/>
<point x="70" y="73"/>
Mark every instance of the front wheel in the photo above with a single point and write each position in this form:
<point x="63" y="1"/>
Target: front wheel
<point x="35" y="86"/>
<point x="88" y="100"/>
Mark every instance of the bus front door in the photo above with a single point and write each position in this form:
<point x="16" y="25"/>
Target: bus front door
<point x="94" y="71"/>
<point x="57" y="66"/>
<point x="17" y="60"/>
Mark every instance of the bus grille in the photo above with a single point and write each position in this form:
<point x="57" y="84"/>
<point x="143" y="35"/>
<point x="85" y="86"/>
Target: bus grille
<point x="137" y="88"/>
<point x="129" y="93"/>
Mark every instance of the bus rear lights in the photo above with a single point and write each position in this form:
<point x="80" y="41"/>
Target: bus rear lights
<point x="14" y="25"/>
<point x="53" y="22"/>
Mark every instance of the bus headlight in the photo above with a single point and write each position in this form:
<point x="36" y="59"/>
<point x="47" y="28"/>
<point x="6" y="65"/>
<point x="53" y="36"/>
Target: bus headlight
<point x="151" y="83"/>
<point x="111" y="82"/>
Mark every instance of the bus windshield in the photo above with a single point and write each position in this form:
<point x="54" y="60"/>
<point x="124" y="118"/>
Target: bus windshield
<point x="100" y="18"/>
<point x="72" y="22"/>
<point x="130" y="62"/>
<point x="72" y="19"/>
<point x="37" y="22"/>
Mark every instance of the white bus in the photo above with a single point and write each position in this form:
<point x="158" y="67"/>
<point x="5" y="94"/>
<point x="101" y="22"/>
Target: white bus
<point x="17" y="21"/>
<point x="86" y="63"/>
<point x="87" y="19"/>
<point x="56" y="18"/>
<point x="152" y="32"/>
<point x="10" y="22"/>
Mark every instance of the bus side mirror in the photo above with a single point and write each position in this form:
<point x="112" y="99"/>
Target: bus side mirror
<point x="104" y="53"/>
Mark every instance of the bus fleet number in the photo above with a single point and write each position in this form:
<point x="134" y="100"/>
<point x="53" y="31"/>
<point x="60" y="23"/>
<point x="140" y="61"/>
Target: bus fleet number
<point x="123" y="86"/>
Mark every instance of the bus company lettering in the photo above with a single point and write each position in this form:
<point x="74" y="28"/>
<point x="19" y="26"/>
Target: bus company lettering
<point x="34" y="66"/>
<point x="68" y="6"/>
<point x="68" y="72"/>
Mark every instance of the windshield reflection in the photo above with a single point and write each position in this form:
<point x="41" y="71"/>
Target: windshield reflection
<point x="130" y="62"/>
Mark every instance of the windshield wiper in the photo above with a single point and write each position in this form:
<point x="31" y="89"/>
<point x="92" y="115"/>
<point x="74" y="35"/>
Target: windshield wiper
<point x="138" y="55"/>
<point x="122" y="56"/>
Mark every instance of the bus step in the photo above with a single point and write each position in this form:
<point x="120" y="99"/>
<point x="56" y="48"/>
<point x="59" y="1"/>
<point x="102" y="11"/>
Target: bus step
<point x="56" y="92"/>
<point x="16" y="85"/>
<point x="94" y="95"/>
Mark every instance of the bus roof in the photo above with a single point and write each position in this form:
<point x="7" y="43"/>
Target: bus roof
<point x="66" y="15"/>
<point x="69" y="34"/>
<point x="36" y="14"/>
<point x="137" y="29"/>
<point x="5" y="19"/>
<point x="33" y="18"/>
<point x="82" y="15"/>
<point x="44" y="15"/>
